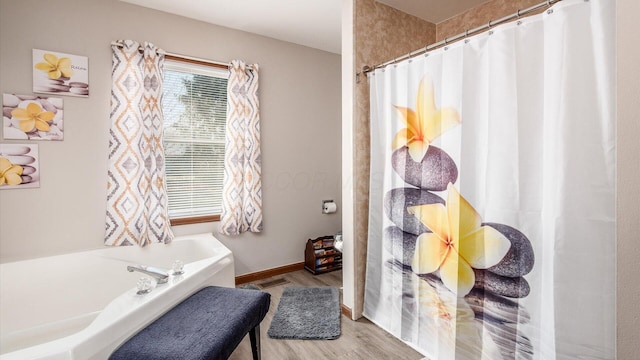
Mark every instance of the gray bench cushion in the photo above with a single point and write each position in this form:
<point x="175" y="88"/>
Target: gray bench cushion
<point x="208" y="325"/>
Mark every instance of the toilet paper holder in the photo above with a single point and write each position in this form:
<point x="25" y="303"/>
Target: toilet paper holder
<point x="329" y="207"/>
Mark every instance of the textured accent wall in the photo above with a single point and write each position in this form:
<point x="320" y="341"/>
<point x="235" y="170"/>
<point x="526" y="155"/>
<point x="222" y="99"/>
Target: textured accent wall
<point x="480" y="15"/>
<point x="380" y="33"/>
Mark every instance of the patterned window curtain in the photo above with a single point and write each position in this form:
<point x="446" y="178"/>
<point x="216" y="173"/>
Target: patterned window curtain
<point x="136" y="197"/>
<point x="242" y="187"/>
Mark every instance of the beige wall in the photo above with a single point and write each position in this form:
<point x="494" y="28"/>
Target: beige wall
<point x="628" y="179"/>
<point x="300" y="108"/>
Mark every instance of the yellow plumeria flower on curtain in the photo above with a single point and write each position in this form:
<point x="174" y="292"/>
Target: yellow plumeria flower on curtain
<point x="55" y="67"/>
<point x="9" y="173"/>
<point x="457" y="244"/>
<point x="424" y="124"/>
<point x="33" y="117"/>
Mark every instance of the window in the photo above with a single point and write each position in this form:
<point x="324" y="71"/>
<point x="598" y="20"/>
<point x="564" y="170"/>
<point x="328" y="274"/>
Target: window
<point x="195" y="107"/>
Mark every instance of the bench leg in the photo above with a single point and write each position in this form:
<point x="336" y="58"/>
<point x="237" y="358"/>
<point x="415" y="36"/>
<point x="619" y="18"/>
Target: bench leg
<point x="254" y="336"/>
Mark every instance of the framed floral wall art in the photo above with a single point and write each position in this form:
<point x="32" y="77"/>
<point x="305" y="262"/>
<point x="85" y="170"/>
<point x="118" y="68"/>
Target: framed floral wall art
<point x="31" y="117"/>
<point x="59" y="73"/>
<point x="19" y="166"/>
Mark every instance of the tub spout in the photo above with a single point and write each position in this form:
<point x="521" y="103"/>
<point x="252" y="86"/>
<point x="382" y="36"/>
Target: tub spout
<point x="160" y="275"/>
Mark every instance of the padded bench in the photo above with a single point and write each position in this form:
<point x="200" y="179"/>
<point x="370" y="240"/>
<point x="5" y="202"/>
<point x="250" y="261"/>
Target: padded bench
<point x="208" y="325"/>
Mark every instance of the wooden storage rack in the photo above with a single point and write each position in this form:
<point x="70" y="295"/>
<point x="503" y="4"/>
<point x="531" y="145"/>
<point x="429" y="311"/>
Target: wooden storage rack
<point x="320" y="256"/>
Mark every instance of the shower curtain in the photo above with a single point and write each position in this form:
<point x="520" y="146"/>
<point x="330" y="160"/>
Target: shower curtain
<point x="492" y="198"/>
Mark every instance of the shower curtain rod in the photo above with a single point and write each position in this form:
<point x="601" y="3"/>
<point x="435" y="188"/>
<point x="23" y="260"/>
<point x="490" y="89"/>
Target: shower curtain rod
<point x="447" y="40"/>
<point x="218" y="64"/>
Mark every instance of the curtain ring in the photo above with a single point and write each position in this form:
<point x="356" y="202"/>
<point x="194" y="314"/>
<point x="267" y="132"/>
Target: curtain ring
<point x="445" y="41"/>
<point x="518" y="13"/>
<point x="548" y="3"/>
<point x="490" y="23"/>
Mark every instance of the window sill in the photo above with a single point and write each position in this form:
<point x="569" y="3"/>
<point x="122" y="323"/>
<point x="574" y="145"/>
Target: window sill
<point x="194" y="220"/>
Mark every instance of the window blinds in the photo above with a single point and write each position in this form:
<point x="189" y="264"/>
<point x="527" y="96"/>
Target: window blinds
<point x="194" y="106"/>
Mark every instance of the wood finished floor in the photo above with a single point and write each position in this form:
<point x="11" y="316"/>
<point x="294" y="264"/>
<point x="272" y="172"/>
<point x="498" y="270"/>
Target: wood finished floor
<point x="359" y="339"/>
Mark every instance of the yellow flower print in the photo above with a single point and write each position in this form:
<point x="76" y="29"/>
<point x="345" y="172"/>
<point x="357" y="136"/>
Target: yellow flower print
<point x="458" y="242"/>
<point x="55" y="67"/>
<point x="33" y="117"/>
<point x="425" y="124"/>
<point x="9" y="173"/>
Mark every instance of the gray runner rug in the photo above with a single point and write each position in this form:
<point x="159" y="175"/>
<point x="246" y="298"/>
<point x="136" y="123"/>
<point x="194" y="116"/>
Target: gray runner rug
<point x="307" y="313"/>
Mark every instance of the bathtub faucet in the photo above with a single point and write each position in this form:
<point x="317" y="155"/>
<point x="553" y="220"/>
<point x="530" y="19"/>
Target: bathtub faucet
<point x="160" y="275"/>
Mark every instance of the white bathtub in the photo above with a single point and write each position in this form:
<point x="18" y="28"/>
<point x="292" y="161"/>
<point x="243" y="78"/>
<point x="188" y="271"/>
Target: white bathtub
<point x="84" y="305"/>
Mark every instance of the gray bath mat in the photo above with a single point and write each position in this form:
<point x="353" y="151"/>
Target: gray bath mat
<point x="307" y="313"/>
